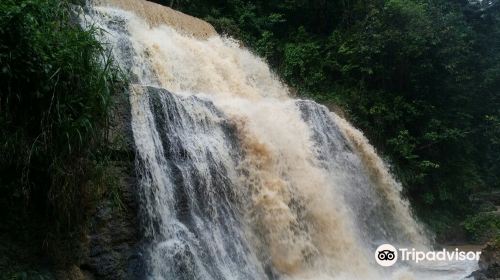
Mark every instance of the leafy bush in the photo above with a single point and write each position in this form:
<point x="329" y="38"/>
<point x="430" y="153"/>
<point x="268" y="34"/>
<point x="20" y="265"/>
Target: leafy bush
<point x="483" y="226"/>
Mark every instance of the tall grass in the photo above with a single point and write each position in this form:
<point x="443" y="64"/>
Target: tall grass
<point x="56" y="87"/>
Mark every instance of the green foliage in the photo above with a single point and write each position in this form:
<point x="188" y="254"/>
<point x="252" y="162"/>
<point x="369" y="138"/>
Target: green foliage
<point x="483" y="226"/>
<point x="419" y="77"/>
<point x="56" y="84"/>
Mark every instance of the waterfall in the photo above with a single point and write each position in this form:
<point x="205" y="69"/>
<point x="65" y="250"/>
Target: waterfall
<point x="238" y="180"/>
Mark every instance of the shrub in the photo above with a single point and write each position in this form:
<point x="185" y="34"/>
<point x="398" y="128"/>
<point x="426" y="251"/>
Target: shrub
<point x="483" y="226"/>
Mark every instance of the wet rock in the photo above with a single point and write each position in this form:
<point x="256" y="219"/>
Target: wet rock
<point x="489" y="263"/>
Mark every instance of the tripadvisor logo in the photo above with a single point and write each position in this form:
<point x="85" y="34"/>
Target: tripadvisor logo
<point x="387" y="255"/>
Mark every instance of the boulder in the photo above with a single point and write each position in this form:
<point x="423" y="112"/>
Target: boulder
<point x="489" y="262"/>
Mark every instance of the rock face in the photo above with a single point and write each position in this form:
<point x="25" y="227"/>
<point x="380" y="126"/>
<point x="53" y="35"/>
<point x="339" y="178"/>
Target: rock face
<point x="111" y="249"/>
<point x="489" y="263"/>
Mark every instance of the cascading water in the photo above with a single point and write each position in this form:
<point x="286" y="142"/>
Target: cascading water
<point x="239" y="180"/>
